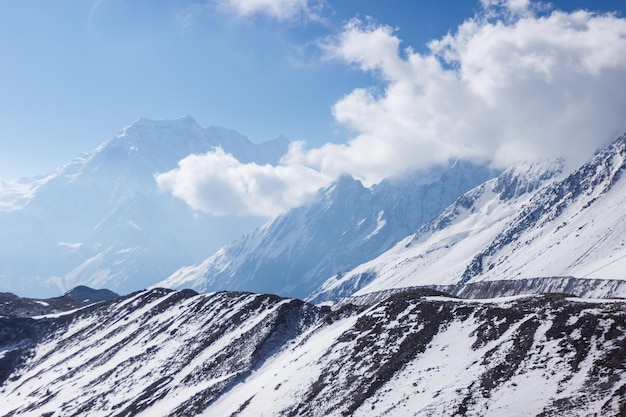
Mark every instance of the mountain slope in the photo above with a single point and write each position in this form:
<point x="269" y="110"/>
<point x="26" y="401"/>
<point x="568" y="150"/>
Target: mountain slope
<point x="346" y="225"/>
<point x="414" y="353"/>
<point x="101" y="220"/>
<point x="528" y="223"/>
<point x="577" y="225"/>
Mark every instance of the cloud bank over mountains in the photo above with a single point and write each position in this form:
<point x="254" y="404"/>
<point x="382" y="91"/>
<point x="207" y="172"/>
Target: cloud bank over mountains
<point x="514" y="82"/>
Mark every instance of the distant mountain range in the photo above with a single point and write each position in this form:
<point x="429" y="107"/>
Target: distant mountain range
<point x="531" y="222"/>
<point x="101" y="220"/>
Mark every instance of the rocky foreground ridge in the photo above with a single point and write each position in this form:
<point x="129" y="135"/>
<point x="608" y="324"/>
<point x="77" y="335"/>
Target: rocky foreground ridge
<point x="415" y="352"/>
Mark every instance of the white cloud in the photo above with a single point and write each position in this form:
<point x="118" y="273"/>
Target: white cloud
<point x="278" y="9"/>
<point x="496" y="90"/>
<point x="521" y="86"/>
<point x="219" y="184"/>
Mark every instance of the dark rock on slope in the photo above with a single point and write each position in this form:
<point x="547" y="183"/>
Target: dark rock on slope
<point x="12" y="305"/>
<point x="415" y="352"/>
<point x="88" y="295"/>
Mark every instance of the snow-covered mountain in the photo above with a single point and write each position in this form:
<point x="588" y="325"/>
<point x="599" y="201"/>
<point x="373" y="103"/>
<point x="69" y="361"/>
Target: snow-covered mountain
<point x="101" y="220"/>
<point x="533" y="221"/>
<point x="416" y="352"/>
<point x="347" y="224"/>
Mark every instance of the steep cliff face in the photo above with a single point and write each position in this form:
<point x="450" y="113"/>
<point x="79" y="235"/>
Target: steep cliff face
<point x="416" y="352"/>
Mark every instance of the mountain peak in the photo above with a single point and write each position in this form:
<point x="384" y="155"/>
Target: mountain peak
<point x="344" y="189"/>
<point x="344" y="183"/>
<point x="89" y="295"/>
<point x="185" y="121"/>
<point x="527" y="177"/>
<point x="144" y="123"/>
<point x="101" y="220"/>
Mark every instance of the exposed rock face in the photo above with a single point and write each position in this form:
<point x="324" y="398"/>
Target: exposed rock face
<point x="415" y="352"/>
<point x="589" y="288"/>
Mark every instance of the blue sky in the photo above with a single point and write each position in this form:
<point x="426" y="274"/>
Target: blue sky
<point x="74" y="72"/>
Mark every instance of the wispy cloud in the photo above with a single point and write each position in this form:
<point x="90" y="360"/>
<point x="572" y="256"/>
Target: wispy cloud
<point x="93" y="11"/>
<point x="186" y="16"/>
<point x="281" y="10"/>
<point x="503" y="87"/>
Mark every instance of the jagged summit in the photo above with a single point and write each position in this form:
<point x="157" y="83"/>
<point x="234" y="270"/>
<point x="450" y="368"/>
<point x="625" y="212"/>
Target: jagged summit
<point x="178" y="138"/>
<point x="526" y="177"/>
<point x="342" y="192"/>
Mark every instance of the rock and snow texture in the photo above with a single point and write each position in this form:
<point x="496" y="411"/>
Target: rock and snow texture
<point x="530" y="222"/>
<point x="239" y="354"/>
<point x="101" y="220"/>
<point x="345" y="226"/>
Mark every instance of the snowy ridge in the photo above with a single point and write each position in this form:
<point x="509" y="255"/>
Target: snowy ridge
<point x="573" y="202"/>
<point x="532" y="221"/>
<point x="345" y="226"/>
<point x="591" y="289"/>
<point x="579" y="287"/>
<point x="14" y="306"/>
<point x="464" y="226"/>
<point x="411" y="353"/>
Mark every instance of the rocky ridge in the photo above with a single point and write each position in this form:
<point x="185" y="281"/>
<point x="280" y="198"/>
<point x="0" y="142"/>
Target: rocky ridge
<point x="415" y="352"/>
